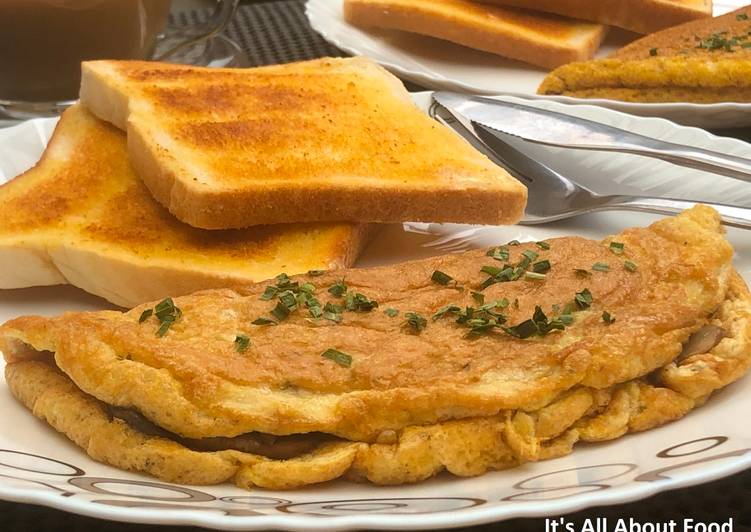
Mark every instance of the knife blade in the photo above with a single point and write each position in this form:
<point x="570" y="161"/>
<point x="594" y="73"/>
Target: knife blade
<point x="552" y="128"/>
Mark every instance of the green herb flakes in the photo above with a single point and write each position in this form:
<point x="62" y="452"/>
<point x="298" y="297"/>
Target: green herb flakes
<point x="280" y="311"/>
<point x="415" y="322"/>
<point x="479" y="297"/>
<point x="583" y="299"/>
<point x="441" y="278"/>
<point x="630" y="266"/>
<point x="579" y="272"/>
<point x="263" y="321"/>
<point x="534" y="276"/>
<point x="530" y="255"/>
<point x="541" y="267"/>
<point x="332" y="312"/>
<point x="242" y="343"/>
<point x="448" y="309"/>
<point x="741" y="16"/>
<point x="607" y="318"/>
<point x="359" y="303"/>
<point x="500" y="253"/>
<point x="391" y="312"/>
<point x="341" y="358"/>
<point x="316" y="273"/>
<point x="617" y="247"/>
<point x="601" y="267"/>
<point x="538" y="325"/>
<point x="543" y="245"/>
<point x="338" y="289"/>
<point x="269" y="293"/>
<point x="145" y="315"/>
<point x="653" y="52"/>
<point x="166" y="313"/>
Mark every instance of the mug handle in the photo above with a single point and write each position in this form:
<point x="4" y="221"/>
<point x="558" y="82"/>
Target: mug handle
<point x="178" y="40"/>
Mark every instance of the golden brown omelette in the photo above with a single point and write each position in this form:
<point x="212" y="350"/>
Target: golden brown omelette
<point x="467" y="362"/>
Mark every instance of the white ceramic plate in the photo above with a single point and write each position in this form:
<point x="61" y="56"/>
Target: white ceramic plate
<point x="40" y="466"/>
<point x="437" y="64"/>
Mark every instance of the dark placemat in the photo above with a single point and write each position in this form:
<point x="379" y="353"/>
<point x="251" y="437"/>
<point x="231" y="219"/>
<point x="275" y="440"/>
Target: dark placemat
<point x="278" y="32"/>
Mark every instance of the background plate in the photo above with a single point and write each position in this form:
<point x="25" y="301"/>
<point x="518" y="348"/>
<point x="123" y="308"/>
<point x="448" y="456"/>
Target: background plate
<point x="436" y="64"/>
<point x="40" y="466"/>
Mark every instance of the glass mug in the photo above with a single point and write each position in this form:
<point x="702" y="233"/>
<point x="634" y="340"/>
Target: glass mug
<point x="42" y="43"/>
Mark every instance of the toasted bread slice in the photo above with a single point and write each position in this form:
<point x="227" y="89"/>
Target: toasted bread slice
<point x="536" y="38"/>
<point x="82" y="216"/>
<point x="323" y="140"/>
<point x="704" y="61"/>
<point x="640" y="16"/>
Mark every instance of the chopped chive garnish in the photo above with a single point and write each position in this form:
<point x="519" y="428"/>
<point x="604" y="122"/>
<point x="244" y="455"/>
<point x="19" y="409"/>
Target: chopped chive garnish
<point x="543" y="245"/>
<point x="332" y="312"/>
<point x="541" y="267"/>
<point x="391" y="312"/>
<point x="513" y="243"/>
<point x="582" y="273"/>
<point x="359" y="302"/>
<point x="601" y="267"/>
<point x="441" y="278"/>
<point x="617" y="247"/>
<point x="653" y="52"/>
<point x="316" y="311"/>
<point x="607" y="318"/>
<point x="338" y="289"/>
<point x="316" y="273"/>
<point x="583" y="299"/>
<point x="741" y="16"/>
<point x="269" y="293"/>
<point x="415" y="322"/>
<point x="288" y="299"/>
<point x="241" y="343"/>
<point x="534" y="275"/>
<point x="500" y="253"/>
<point x="343" y="359"/>
<point x="164" y="327"/>
<point x="167" y="314"/>
<point x="145" y="315"/>
<point x="479" y="297"/>
<point x="529" y="254"/>
<point x="263" y="321"/>
<point x="630" y="266"/>
<point x="448" y="309"/>
<point x="308" y="288"/>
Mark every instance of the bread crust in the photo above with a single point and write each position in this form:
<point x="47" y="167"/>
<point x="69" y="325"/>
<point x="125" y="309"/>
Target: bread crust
<point x="81" y="216"/>
<point x="349" y="145"/>
<point x="538" y="39"/>
<point x="640" y="16"/>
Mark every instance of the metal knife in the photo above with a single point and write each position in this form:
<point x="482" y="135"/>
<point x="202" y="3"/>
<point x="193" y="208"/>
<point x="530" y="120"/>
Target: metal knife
<point x="561" y="130"/>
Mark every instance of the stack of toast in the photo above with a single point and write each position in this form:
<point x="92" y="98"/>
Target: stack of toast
<point x="167" y="179"/>
<point x="544" y="33"/>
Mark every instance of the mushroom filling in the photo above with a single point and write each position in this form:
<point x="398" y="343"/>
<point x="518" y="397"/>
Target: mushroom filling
<point x="285" y="447"/>
<point x="702" y="341"/>
<point x="268" y="445"/>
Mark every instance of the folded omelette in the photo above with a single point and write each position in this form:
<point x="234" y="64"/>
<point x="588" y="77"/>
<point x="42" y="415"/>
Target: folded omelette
<point x="468" y="362"/>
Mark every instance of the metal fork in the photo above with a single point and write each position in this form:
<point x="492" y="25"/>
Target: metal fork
<point x="552" y="196"/>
